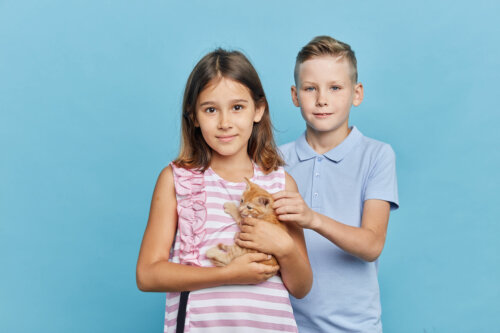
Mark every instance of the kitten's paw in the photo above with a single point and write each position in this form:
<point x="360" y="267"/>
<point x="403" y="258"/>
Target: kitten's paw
<point x="213" y="252"/>
<point x="216" y="256"/>
<point x="229" y="208"/>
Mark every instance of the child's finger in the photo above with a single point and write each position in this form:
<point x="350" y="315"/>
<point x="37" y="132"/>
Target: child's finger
<point x="256" y="257"/>
<point x="249" y="221"/>
<point x="279" y="195"/>
<point x="246" y="244"/>
<point x="246" y="228"/>
<point x="288" y="201"/>
<point x="287" y="217"/>
<point x="272" y="269"/>
<point x="290" y="209"/>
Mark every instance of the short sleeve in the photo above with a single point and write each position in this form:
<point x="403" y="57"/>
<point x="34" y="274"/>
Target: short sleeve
<point x="382" y="183"/>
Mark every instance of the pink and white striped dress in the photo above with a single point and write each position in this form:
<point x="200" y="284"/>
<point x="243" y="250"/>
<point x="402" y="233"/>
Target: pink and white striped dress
<point x="202" y="224"/>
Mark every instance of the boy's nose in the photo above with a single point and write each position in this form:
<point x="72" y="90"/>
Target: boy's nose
<point x="321" y="100"/>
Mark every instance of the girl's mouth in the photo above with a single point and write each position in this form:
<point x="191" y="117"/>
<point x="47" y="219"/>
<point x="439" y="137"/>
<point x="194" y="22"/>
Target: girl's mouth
<point x="226" y="138"/>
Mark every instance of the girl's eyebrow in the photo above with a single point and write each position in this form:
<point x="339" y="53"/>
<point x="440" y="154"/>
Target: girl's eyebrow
<point x="231" y="102"/>
<point x="239" y="101"/>
<point x="207" y="103"/>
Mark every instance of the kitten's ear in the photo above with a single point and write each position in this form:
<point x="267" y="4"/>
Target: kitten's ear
<point x="249" y="183"/>
<point x="264" y="201"/>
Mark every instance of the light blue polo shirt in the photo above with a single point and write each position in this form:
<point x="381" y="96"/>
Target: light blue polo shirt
<point x="345" y="293"/>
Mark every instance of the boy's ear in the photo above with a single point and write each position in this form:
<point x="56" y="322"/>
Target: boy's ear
<point x="358" y="94"/>
<point x="295" y="98"/>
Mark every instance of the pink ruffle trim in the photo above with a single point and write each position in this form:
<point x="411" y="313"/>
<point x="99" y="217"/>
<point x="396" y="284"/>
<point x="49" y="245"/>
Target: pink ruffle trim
<point x="191" y="197"/>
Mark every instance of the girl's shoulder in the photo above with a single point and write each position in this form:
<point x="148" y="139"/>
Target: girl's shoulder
<point x="186" y="181"/>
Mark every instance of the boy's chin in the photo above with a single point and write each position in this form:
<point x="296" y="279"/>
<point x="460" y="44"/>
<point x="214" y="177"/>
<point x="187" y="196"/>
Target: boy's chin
<point x="320" y="129"/>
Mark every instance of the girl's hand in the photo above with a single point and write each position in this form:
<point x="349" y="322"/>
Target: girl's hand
<point x="264" y="237"/>
<point x="290" y="207"/>
<point x="247" y="269"/>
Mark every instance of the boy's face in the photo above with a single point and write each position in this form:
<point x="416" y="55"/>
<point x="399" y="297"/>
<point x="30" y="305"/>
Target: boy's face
<point x="325" y="93"/>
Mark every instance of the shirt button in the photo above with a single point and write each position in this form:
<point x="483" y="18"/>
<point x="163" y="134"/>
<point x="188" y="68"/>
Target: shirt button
<point x="315" y="195"/>
<point x="317" y="174"/>
<point x="320" y="159"/>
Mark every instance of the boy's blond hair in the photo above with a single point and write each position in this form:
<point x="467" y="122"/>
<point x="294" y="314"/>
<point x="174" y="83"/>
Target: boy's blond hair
<point x="326" y="46"/>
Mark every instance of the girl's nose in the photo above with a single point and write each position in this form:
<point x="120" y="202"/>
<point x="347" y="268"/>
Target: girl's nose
<point x="224" y="120"/>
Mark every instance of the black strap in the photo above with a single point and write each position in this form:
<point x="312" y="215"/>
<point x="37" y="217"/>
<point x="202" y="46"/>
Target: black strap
<point x="181" y="313"/>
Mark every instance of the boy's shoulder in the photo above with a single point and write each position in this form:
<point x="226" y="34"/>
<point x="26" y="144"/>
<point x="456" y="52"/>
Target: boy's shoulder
<point x="376" y="148"/>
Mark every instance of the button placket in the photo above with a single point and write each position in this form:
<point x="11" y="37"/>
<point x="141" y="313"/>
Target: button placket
<point x="315" y="202"/>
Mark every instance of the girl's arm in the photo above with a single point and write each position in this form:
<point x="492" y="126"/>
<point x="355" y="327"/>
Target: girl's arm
<point x="289" y="248"/>
<point x="365" y="242"/>
<point x="154" y="271"/>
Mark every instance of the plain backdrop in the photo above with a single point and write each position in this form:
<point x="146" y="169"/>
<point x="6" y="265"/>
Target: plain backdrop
<point x="90" y="97"/>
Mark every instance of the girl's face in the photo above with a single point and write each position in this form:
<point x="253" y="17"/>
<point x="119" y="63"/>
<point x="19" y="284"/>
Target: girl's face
<point x="225" y="113"/>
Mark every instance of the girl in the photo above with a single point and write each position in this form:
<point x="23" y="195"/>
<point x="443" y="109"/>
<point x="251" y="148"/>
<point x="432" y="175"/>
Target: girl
<point x="226" y="136"/>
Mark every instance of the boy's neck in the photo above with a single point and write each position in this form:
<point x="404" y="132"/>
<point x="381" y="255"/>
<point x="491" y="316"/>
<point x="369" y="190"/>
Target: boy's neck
<point x="322" y="142"/>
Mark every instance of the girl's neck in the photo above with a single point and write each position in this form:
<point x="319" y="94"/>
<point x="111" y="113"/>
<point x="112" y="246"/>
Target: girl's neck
<point x="232" y="168"/>
<point x="322" y="142"/>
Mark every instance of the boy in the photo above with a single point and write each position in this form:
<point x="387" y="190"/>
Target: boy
<point x="349" y="183"/>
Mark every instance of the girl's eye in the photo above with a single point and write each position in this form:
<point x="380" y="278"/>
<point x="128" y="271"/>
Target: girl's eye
<point x="238" y="107"/>
<point x="210" y="110"/>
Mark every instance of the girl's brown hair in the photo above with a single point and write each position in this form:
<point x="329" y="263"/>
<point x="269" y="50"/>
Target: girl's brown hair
<point x="195" y="152"/>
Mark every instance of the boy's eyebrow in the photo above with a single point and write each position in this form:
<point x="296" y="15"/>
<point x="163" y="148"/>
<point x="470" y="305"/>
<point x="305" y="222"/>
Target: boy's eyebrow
<point x="330" y="82"/>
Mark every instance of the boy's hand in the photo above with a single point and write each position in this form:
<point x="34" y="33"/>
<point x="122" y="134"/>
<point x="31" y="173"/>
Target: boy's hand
<point x="290" y="207"/>
<point x="246" y="269"/>
<point x="264" y="237"/>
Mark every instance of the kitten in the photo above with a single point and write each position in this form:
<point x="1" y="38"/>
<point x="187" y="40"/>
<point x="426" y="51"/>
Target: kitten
<point x="255" y="202"/>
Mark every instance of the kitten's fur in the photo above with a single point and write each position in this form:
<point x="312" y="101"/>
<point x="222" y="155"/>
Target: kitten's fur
<point x="255" y="202"/>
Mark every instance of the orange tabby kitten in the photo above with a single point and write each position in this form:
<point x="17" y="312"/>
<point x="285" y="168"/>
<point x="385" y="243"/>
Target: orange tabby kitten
<point x="255" y="202"/>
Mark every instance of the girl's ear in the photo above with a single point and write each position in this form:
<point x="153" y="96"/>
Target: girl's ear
<point x="259" y="112"/>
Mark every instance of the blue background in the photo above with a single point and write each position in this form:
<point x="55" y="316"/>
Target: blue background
<point x="90" y="96"/>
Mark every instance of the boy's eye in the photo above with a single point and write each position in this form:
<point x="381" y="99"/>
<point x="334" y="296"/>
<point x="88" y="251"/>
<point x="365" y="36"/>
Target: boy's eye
<point x="334" y="88"/>
<point x="210" y="110"/>
<point x="309" y="88"/>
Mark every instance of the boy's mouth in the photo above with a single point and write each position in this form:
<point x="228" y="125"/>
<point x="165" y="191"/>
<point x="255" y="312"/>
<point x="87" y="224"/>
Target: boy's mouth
<point x="322" y="115"/>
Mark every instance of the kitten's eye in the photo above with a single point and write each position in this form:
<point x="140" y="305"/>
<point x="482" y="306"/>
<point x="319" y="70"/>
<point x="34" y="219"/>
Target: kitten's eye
<point x="249" y="207"/>
<point x="241" y="201"/>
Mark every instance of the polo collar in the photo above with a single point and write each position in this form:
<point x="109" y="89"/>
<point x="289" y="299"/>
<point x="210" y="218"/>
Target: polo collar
<point x="305" y="152"/>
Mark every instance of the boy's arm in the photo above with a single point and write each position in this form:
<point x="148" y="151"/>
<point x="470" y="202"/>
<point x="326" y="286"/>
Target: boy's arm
<point x="365" y="242"/>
